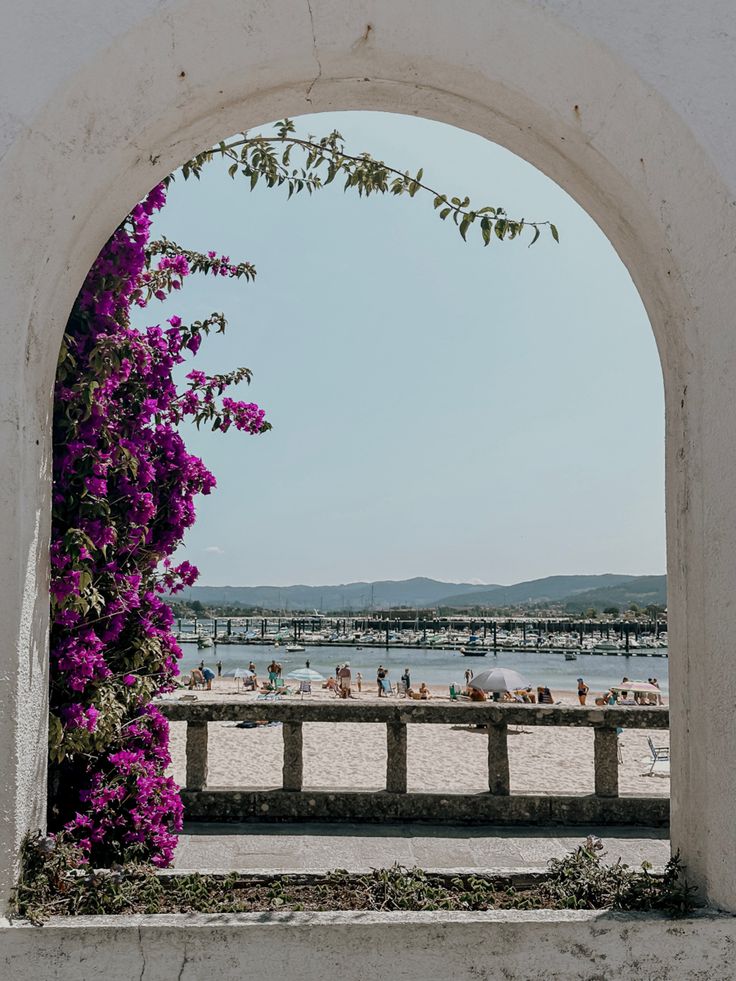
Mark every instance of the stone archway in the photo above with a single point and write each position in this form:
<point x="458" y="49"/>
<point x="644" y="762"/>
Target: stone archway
<point x="627" y="115"/>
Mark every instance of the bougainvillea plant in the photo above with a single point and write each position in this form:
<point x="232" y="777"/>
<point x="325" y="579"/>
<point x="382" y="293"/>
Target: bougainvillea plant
<point x="124" y="487"/>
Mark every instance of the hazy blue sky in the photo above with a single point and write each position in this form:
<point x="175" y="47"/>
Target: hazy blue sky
<point x="439" y="409"/>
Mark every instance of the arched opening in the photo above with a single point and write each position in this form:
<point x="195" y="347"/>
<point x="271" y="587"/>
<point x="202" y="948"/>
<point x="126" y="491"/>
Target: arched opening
<point x="546" y="396"/>
<point x="622" y="186"/>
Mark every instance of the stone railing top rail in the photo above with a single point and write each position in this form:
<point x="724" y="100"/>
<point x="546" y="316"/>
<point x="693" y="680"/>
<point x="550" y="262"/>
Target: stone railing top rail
<point x="448" y="713"/>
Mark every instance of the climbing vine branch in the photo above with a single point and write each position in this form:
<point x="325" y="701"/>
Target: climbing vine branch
<point x="270" y="159"/>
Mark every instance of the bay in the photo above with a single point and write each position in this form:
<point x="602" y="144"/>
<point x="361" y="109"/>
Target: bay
<point x="438" y="667"/>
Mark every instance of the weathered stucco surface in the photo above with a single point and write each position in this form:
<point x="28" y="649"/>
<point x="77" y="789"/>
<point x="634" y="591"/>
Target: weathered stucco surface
<point x="513" y="946"/>
<point x="627" y="105"/>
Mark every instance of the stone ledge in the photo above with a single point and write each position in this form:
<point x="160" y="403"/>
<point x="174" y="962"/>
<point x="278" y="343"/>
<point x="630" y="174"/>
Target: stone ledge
<point x="245" y="805"/>
<point x="410" y="712"/>
<point x="506" y="944"/>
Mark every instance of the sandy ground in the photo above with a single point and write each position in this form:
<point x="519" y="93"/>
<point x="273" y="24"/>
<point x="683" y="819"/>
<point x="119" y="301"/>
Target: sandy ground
<point x="352" y="756"/>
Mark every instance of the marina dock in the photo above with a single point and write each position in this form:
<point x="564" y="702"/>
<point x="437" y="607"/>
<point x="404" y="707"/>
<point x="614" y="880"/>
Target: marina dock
<point x="471" y="636"/>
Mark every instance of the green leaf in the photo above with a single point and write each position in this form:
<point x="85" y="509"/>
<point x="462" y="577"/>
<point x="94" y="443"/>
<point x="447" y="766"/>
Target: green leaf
<point x="555" y="234"/>
<point x="444" y="213"/>
<point x="536" y="236"/>
<point x="464" y="226"/>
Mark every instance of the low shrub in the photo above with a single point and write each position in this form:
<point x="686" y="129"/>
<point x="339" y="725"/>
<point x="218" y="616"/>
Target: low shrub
<point x="55" y="881"/>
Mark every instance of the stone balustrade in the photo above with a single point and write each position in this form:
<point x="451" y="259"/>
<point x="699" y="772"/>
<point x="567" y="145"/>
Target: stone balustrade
<point x="292" y="802"/>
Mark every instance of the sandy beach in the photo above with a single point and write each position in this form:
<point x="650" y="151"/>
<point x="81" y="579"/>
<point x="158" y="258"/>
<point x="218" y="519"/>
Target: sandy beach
<point x="440" y="758"/>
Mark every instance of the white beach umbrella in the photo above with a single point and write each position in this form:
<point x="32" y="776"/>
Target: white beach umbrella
<point x="239" y="673"/>
<point x="305" y="674"/>
<point x="499" y="679"/>
<point x="636" y="686"/>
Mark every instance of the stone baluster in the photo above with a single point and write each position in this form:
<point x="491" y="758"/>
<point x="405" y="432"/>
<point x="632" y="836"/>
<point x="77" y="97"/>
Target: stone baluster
<point x="293" y="756"/>
<point x="396" y="757"/>
<point x="498" y="760"/>
<point x="196" y="755"/>
<point x="605" y="754"/>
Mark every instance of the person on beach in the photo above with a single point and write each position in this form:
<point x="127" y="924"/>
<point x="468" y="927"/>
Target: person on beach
<point x="468" y="676"/>
<point x="605" y="698"/>
<point x="653" y="699"/>
<point x="252" y="667"/>
<point x="273" y="671"/>
<point x="406" y="678"/>
<point x="380" y="675"/>
<point x="359" y="681"/>
<point x="344" y="678"/>
<point x="201" y="665"/>
<point x="196" y="679"/>
<point x="625" y="694"/>
<point x="219" y="669"/>
<point x="424" y="692"/>
<point x="476" y="695"/>
<point x="582" y="691"/>
<point x="306" y="663"/>
<point x="209" y="677"/>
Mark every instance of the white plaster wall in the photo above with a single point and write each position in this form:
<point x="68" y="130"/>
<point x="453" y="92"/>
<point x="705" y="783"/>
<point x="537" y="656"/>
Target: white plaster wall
<point x="496" y="946"/>
<point x="627" y="105"/>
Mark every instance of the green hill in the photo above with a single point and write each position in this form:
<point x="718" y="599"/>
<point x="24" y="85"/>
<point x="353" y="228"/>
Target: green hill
<point x="643" y="590"/>
<point x="573" y="592"/>
<point x="411" y="593"/>
<point x="535" y="591"/>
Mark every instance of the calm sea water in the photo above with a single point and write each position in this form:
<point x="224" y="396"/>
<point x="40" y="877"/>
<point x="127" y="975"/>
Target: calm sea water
<point x="438" y="667"/>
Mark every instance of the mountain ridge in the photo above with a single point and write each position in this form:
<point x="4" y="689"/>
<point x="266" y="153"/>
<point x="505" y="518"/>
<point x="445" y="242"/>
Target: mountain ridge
<point x="416" y="592"/>
<point x="419" y="592"/>
<point x="549" y="588"/>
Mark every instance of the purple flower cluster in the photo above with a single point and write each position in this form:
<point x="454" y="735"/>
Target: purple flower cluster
<point x="123" y="497"/>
